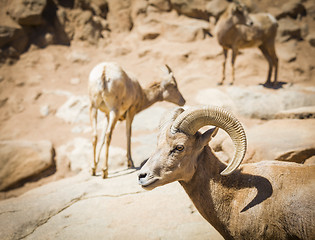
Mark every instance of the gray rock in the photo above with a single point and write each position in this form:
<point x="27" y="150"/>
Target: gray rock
<point x="23" y="159"/>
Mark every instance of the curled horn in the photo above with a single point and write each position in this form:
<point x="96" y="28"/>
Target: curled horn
<point x="170" y="117"/>
<point x="191" y="120"/>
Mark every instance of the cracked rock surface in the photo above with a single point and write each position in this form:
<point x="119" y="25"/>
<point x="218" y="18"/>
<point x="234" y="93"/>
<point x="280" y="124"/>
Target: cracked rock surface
<point x="84" y="207"/>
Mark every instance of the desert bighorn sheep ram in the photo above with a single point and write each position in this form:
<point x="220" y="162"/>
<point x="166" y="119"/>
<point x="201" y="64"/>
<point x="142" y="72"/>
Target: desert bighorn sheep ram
<point x="236" y="29"/>
<point x="120" y="97"/>
<point x="264" y="200"/>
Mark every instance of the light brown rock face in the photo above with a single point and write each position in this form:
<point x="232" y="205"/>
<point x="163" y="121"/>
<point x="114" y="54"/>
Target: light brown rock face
<point x="22" y="159"/>
<point x="28" y="12"/>
<point x="85" y="207"/>
<point x="284" y="140"/>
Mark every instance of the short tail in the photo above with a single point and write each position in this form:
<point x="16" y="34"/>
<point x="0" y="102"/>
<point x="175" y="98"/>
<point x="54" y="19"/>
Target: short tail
<point x="104" y="74"/>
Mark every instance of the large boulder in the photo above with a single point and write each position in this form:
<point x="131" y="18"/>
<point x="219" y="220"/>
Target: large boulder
<point x="256" y="101"/>
<point x="28" y="13"/>
<point x="119" y="15"/>
<point x="85" y="207"/>
<point x="79" y="154"/>
<point x="78" y="24"/>
<point x="292" y="8"/>
<point x="20" y="160"/>
<point x="283" y="140"/>
<point x="297" y="113"/>
<point x="184" y="29"/>
<point x="191" y="8"/>
<point x="13" y="40"/>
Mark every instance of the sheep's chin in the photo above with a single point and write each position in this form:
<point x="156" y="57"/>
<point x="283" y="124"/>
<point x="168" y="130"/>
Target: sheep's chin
<point x="149" y="185"/>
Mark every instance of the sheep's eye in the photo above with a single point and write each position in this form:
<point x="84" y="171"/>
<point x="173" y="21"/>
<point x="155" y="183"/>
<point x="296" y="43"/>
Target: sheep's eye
<point x="179" y="148"/>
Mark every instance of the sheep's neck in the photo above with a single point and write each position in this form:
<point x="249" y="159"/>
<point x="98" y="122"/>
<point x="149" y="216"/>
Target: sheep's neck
<point x="150" y="96"/>
<point x="225" y="32"/>
<point x="206" y="191"/>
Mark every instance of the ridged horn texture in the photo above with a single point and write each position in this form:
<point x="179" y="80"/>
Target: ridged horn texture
<point x="170" y="117"/>
<point x="191" y="120"/>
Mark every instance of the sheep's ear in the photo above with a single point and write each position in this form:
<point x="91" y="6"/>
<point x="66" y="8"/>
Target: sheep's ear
<point x="208" y="135"/>
<point x="167" y="70"/>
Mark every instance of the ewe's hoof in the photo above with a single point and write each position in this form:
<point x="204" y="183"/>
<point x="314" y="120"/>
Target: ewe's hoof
<point x="220" y="83"/>
<point x="93" y="171"/>
<point x="130" y="164"/>
<point x="105" y="174"/>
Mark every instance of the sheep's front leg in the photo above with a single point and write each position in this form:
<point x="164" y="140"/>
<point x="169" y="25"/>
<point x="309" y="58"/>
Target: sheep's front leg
<point x="106" y="138"/>
<point x="275" y="63"/>
<point x="234" y="55"/>
<point x="225" y="51"/>
<point x="129" y="119"/>
<point x="269" y="59"/>
<point x="93" y="119"/>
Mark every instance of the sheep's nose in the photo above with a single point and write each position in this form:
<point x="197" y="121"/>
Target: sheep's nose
<point x="142" y="178"/>
<point x="141" y="175"/>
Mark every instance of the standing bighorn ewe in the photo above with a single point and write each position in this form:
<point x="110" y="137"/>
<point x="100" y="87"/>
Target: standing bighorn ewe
<point x="120" y="97"/>
<point x="264" y="200"/>
<point x="236" y="29"/>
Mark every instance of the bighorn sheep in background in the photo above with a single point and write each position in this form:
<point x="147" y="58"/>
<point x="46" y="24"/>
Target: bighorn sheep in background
<point x="264" y="200"/>
<point x="236" y="29"/>
<point x="120" y="97"/>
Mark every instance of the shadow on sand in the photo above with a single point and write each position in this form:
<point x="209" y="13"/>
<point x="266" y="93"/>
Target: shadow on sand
<point x="275" y="86"/>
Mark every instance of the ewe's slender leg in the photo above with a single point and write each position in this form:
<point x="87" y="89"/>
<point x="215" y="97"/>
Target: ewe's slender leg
<point x="129" y="119"/>
<point x="102" y="139"/>
<point x="268" y="57"/>
<point x="225" y="51"/>
<point x="275" y="63"/>
<point x="108" y="136"/>
<point x="93" y="120"/>
<point x="234" y="55"/>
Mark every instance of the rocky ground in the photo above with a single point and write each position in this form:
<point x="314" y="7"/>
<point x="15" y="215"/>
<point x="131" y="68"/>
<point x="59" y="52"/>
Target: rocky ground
<point x="45" y="148"/>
